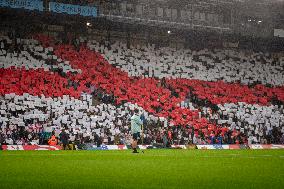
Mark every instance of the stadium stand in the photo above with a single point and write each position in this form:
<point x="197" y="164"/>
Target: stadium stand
<point x="206" y="65"/>
<point x="188" y="96"/>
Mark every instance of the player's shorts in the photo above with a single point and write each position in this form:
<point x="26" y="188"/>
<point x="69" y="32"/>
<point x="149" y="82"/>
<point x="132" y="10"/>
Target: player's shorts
<point x="135" y="136"/>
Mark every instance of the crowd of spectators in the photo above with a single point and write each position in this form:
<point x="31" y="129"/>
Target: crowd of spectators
<point x="90" y="109"/>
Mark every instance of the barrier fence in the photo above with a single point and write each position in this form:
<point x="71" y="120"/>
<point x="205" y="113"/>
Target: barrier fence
<point x="126" y="147"/>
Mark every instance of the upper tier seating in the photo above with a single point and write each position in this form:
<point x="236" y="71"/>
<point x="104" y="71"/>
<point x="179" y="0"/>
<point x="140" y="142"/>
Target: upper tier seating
<point x="206" y="65"/>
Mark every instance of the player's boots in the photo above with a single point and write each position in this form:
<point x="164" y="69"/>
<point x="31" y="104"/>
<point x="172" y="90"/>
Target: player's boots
<point x="135" y="151"/>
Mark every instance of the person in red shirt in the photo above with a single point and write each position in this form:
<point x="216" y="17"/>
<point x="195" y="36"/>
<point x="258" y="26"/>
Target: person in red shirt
<point x="52" y="141"/>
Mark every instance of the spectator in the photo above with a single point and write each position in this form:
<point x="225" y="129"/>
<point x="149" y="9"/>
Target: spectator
<point x="64" y="138"/>
<point x="53" y="141"/>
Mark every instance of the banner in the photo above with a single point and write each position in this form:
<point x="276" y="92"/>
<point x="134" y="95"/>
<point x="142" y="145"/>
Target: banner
<point x="191" y="146"/>
<point x="73" y="9"/>
<point x="122" y="147"/>
<point x="143" y="147"/>
<point x="266" y="146"/>
<point x="30" y="147"/>
<point x="230" y="44"/>
<point x="213" y="147"/>
<point x="25" y="4"/>
<point x="279" y="32"/>
<point x="241" y="146"/>
<point x="90" y="146"/>
<point x="223" y="147"/>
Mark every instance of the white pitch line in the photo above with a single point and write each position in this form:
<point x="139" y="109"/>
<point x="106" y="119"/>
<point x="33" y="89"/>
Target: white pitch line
<point x="58" y="154"/>
<point x="238" y="156"/>
<point x="30" y="155"/>
<point x="234" y="154"/>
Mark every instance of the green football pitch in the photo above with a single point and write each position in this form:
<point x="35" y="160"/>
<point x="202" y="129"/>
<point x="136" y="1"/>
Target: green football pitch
<point x="152" y="169"/>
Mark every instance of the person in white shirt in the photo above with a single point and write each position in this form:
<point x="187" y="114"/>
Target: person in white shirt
<point x="9" y="141"/>
<point x="250" y="140"/>
<point x="194" y="140"/>
<point x="255" y="140"/>
<point x="35" y="141"/>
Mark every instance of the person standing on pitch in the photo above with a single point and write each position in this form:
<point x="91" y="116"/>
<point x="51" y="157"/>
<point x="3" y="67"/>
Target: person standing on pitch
<point x="136" y="125"/>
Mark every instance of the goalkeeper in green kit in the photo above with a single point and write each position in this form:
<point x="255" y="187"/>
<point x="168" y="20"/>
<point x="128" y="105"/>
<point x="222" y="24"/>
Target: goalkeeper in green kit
<point x="136" y="125"/>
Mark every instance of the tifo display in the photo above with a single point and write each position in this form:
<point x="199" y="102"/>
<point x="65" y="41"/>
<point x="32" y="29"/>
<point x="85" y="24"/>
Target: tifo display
<point x="89" y="92"/>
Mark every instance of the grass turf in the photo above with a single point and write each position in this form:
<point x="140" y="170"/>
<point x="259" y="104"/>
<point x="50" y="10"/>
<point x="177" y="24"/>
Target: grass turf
<point x="153" y="169"/>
